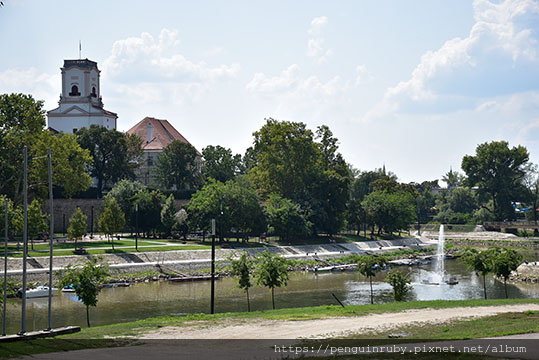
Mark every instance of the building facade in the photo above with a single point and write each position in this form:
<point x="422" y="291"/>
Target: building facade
<point x="156" y="134"/>
<point x="80" y="103"/>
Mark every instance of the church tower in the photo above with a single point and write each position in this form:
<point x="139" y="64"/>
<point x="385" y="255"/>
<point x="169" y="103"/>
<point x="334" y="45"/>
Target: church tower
<point x="80" y="103"/>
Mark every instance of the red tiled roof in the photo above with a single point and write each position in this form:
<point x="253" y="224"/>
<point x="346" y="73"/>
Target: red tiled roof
<point x="163" y="133"/>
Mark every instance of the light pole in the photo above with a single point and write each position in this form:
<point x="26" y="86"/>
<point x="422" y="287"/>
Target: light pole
<point x="92" y="223"/>
<point x="5" y="268"/>
<point x="51" y="238"/>
<point x="212" y="301"/>
<point x="24" y="240"/>
<point x="136" y="227"/>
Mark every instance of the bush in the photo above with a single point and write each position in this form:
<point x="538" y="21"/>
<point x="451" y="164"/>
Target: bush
<point x="399" y="281"/>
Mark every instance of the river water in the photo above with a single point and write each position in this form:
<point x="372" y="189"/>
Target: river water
<point x="145" y="300"/>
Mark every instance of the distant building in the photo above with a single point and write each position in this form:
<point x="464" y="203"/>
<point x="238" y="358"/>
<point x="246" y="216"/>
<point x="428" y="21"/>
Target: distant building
<point x="156" y="135"/>
<point x="80" y="103"/>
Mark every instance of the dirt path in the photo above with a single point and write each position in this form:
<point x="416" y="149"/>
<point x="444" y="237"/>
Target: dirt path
<point x="325" y="328"/>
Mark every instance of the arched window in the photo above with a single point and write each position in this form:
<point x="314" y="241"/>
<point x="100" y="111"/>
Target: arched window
<point x="74" y="91"/>
<point x="94" y="94"/>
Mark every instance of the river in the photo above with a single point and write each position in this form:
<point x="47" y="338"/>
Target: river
<point x="152" y="299"/>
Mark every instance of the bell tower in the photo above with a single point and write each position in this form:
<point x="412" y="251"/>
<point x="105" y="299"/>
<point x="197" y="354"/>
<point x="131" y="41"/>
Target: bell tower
<point x="80" y="102"/>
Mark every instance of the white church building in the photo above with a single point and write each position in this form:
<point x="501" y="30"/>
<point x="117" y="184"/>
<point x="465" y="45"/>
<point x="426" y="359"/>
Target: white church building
<point x="80" y="103"/>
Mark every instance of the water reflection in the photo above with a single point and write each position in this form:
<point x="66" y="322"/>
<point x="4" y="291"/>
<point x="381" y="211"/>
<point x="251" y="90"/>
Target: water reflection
<point x="304" y="289"/>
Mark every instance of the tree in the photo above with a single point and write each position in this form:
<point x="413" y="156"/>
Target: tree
<point x="112" y="153"/>
<point x="399" y="281"/>
<point x="453" y="179"/>
<point x="389" y="211"/>
<point x="369" y="265"/>
<point x="219" y="163"/>
<point x="478" y="261"/>
<point x="124" y="191"/>
<point x="37" y="221"/>
<point x="285" y="218"/>
<point x="85" y="279"/>
<point x="180" y="222"/>
<point x="177" y="167"/>
<point x="22" y="122"/>
<point x="112" y="219"/>
<point x="168" y="214"/>
<point x="242" y="268"/>
<point x="271" y="271"/>
<point x="499" y="172"/>
<point x="234" y="205"/>
<point x="77" y="225"/>
<point x="504" y="262"/>
<point x="149" y="208"/>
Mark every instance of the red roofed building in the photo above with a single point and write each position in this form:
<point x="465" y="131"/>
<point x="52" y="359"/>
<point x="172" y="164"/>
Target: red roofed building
<point x="156" y="134"/>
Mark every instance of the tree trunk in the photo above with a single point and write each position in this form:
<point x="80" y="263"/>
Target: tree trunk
<point x="272" y="299"/>
<point x="505" y="287"/>
<point x="372" y="294"/>
<point x="485" y="286"/>
<point x="248" y="303"/>
<point x="112" y="242"/>
<point x="88" y="315"/>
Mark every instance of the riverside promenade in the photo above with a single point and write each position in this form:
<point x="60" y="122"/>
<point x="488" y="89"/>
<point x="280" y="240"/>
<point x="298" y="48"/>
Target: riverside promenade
<point x="192" y="260"/>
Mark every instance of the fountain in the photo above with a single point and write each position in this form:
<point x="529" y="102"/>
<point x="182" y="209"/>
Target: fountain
<point x="440" y="256"/>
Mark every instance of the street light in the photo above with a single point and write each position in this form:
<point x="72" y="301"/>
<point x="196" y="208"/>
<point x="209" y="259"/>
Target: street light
<point x="212" y="301"/>
<point x="136" y="227"/>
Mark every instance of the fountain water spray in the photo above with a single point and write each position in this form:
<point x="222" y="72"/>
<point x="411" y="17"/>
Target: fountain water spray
<point x="440" y="255"/>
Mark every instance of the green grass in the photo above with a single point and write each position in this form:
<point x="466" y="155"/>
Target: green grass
<point x="115" y="335"/>
<point x="291" y="314"/>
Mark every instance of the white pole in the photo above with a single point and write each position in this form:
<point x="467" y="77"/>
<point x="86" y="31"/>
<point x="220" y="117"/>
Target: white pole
<point x="25" y="240"/>
<point x="51" y="237"/>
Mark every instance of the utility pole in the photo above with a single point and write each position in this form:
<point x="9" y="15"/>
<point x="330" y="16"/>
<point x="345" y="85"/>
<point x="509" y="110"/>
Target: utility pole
<point x="51" y="238"/>
<point x="136" y="227"/>
<point x="6" y="233"/>
<point x="212" y="310"/>
<point x="25" y="240"/>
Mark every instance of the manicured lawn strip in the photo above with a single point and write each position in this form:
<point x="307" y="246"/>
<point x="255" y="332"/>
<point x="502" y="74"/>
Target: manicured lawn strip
<point x="291" y="314"/>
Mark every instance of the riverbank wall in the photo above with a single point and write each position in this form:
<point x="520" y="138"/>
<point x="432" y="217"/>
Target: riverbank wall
<point x="197" y="260"/>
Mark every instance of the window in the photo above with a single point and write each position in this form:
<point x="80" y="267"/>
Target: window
<point x="94" y="94"/>
<point x="74" y="91"/>
<point x="150" y="160"/>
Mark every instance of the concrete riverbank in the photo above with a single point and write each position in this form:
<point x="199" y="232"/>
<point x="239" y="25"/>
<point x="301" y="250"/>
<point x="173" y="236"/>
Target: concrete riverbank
<point x="192" y="260"/>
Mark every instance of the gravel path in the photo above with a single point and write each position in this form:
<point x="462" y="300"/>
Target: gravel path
<point x="327" y="328"/>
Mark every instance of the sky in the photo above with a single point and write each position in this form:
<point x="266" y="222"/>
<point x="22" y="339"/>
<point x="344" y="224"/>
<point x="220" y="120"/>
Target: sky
<point x="413" y="85"/>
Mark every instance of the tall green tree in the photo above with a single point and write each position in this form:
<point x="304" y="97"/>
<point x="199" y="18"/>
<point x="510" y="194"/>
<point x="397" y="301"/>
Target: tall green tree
<point x="113" y="156"/>
<point x="389" y="212"/>
<point x="453" y="179"/>
<point x="399" y="281"/>
<point x="77" y="225"/>
<point x="22" y="122"/>
<point x="479" y="261"/>
<point x="368" y="266"/>
<point x="177" y="167"/>
<point x="285" y="218"/>
<point x="149" y="208"/>
<point x="124" y="191"/>
<point x="85" y="279"/>
<point x="37" y="221"/>
<point x="168" y="215"/>
<point x="499" y="172"/>
<point x="219" y="163"/>
<point x="112" y="219"/>
<point x="504" y="261"/>
<point x="271" y="271"/>
<point x="242" y="268"/>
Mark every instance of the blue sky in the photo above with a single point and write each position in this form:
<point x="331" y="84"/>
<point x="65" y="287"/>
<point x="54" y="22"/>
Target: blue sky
<point x="414" y="85"/>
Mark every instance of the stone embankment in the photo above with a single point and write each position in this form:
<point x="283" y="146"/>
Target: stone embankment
<point x="195" y="260"/>
<point x="528" y="272"/>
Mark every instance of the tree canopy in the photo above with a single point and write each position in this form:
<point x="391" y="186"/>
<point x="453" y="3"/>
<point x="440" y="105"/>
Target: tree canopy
<point x="498" y="171"/>
<point x="219" y="163"/>
<point x="177" y="167"/>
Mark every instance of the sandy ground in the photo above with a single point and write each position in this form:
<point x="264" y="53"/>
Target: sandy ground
<point x="327" y="328"/>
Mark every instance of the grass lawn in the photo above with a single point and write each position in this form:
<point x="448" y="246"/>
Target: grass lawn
<point x="498" y="325"/>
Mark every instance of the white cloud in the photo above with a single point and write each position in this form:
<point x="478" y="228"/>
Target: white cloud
<point x="499" y="56"/>
<point x="363" y="76"/>
<point x="145" y="57"/>
<point x="42" y="86"/>
<point x="315" y="45"/>
<point x="265" y="84"/>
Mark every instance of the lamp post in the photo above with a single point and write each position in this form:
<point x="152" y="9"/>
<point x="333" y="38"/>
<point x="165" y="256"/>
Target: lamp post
<point x="51" y="237"/>
<point x="136" y="227"/>
<point x="92" y="223"/>
<point x="25" y="240"/>
<point x="212" y="301"/>
<point x="5" y="268"/>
